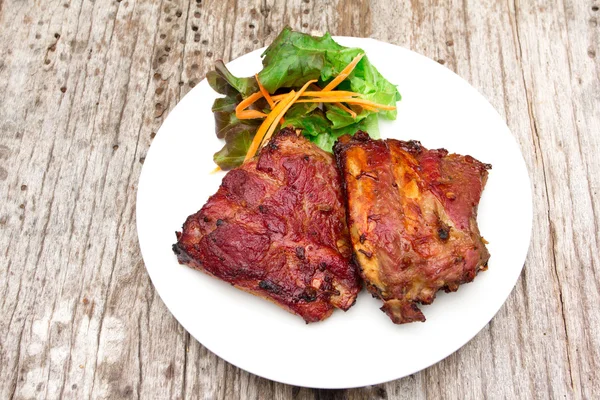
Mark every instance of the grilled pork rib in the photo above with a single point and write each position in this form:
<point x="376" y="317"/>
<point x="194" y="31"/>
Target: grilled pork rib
<point x="412" y="219"/>
<point x="277" y="228"/>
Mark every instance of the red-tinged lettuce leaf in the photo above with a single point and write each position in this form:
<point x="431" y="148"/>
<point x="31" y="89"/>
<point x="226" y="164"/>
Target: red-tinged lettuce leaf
<point x="226" y="104"/>
<point x="224" y="82"/>
<point x="219" y="84"/>
<point x="236" y="146"/>
<point x="226" y="120"/>
<point x="237" y="133"/>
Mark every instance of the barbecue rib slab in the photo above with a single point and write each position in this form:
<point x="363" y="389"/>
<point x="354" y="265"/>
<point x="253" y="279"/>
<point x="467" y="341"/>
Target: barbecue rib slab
<point x="412" y="218"/>
<point x="277" y="228"/>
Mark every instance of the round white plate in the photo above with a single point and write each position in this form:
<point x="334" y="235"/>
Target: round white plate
<point x="362" y="346"/>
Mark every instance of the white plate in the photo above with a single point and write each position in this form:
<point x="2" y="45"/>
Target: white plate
<point x="362" y="346"/>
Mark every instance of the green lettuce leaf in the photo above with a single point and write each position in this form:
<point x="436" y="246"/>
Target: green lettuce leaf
<point x="326" y="140"/>
<point x="313" y="124"/>
<point x="340" y="118"/>
<point x="295" y="58"/>
<point x="225" y="119"/>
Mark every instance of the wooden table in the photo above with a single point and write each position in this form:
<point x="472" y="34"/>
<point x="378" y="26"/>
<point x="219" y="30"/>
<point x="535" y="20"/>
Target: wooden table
<point x="85" y="86"/>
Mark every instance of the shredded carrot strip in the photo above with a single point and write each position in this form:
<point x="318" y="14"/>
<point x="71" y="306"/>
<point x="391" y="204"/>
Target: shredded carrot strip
<point x="369" y="108"/>
<point x="214" y="171"/>
<point x="342" y="93"/>
<point x="344" y="74"/>
<point x="285" y="108"/>
<point x="349" y="100"/>
<point x="337" y="93"/>
<point x="319" y="92"/>
<point x="348" y="110"/>
<point x="248" y="101"/>
<point x="240" y="110"/>
<point x="262" y="129"/>
<point x="265" y="93"/>
<point x="250" y="114"/>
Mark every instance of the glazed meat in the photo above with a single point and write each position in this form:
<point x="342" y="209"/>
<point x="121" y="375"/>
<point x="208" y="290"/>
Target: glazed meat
<point x="412" y="218"/>
<point x="277" y="228"/>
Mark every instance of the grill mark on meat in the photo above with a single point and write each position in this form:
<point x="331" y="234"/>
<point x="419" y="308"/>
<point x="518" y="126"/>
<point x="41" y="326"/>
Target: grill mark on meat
<point x="176" y="249"/>
<point x="270" y="287"/>
<point x="368" y="175"/>
<point x="367" y="254"/>
<point x="443" y="234"/>
<point x="309" y="295"/>
<point x="443" y="231"/>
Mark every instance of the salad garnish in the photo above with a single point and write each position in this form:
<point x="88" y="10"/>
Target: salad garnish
<point x="313" y="84"/>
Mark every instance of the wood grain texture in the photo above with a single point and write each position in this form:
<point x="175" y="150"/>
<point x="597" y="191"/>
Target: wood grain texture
<point x="85" y="86"/>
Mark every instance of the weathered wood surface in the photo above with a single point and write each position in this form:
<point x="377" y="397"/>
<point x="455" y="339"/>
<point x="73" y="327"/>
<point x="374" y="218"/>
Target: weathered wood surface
<point x="84" y="86"/>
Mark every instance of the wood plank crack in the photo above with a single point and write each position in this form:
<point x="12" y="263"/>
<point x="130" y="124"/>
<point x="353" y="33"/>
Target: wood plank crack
<point x="534" y="129"/>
